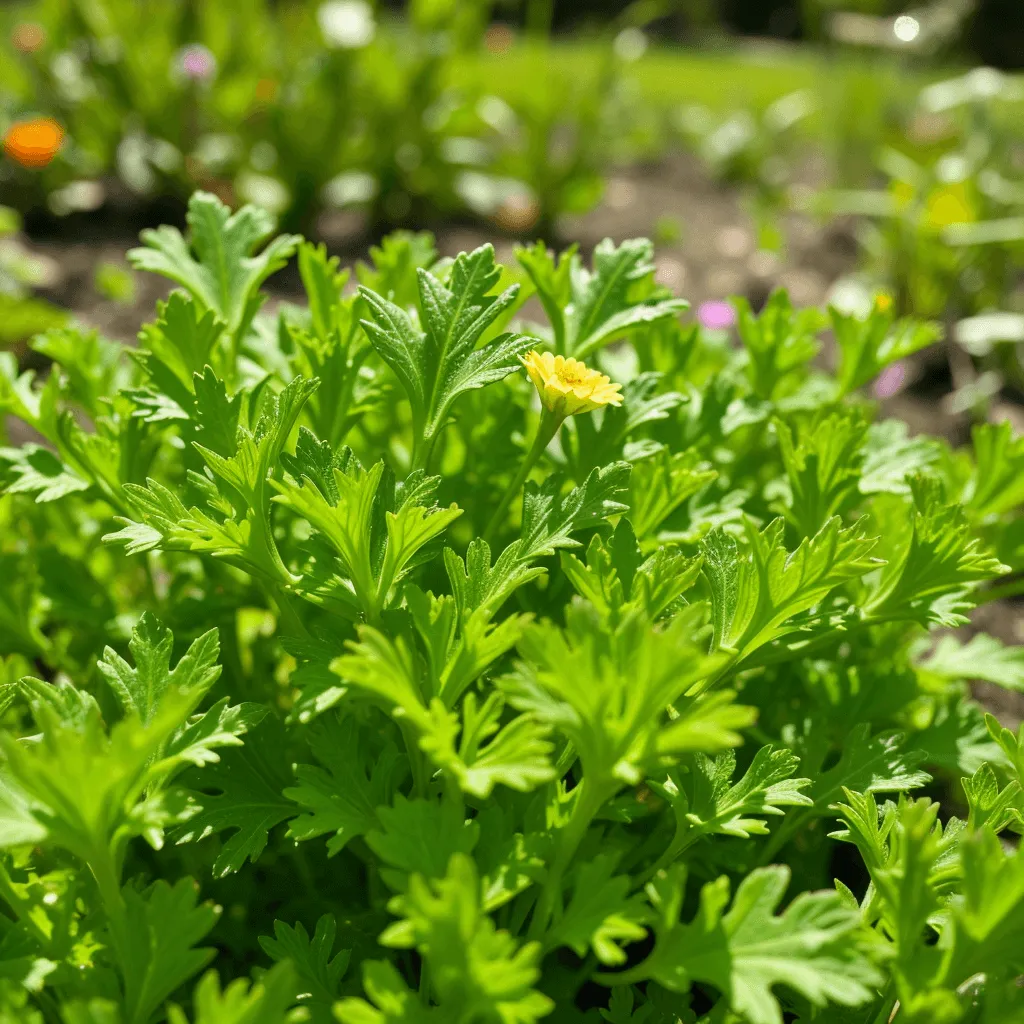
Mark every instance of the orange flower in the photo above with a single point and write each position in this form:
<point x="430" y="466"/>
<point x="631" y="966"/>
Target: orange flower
<point x="28" y="36"/>
<point x="266" y="90"/>
<point x="33" y="143"/>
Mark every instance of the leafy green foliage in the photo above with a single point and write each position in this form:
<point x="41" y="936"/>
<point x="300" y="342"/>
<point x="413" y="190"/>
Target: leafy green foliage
<point x="779" y="343"/>
<point x="438" y="362"/>
<point x="747" y="950"/>
<point x="869" y="344"/>
<point x="589" y="309"/>
<point x="218" y="265"/>
<point x="262" y="676"/>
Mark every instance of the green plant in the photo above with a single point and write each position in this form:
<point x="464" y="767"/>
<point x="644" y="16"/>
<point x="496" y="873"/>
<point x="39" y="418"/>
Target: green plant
<point x="280" y="105"/>
<point x="636" y="759"/>
<point x="22" y="314"/>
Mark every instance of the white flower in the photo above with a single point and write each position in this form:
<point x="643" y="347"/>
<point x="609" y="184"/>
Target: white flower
<point x="346" y="24"/>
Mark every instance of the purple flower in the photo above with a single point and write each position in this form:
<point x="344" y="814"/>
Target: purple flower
<point x="890" y="380"/>
<point x="716" y="315"/>
<point x="196" y="63"/>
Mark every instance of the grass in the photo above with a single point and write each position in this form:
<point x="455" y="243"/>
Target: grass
<point x="747" y="76"/>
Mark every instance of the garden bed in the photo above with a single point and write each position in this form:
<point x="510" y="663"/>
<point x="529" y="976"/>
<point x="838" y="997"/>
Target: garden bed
<point x="711" y="252"/>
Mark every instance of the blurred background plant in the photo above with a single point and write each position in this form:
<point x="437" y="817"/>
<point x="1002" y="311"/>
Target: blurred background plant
<point x="866" y="126"/>
<point x="22" y="313"/>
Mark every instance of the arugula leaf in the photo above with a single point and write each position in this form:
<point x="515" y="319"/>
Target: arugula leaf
<point x="157" y="950"/>
<point x="746" y="951"/>
<point x="613" y="437"/>
<point x="395" y="263"/>
<point x="348" y="524"/>
<point x="225" y="274"/>
<point x="935" y="564"/>
<point x="550" y="520"/>
<point x="318" y="973"/>
<point x="601" y="914"/>
<point x="891" y="458"/>
<point x="91" y="366"/>
<point x="591" y="309"/>
<point x="242" y="792"/>
<point x="333" y="349"/>
<point x="659" y="485"/>
<point x="998" y="483"/>
<point x="473" y="965"/>
<point x="755" y="596"/>
<point x="869" y="344"/>
<point x="172" y="351"/>
<point x="442" y="360"/>
<point x="823" y="465"/>
<point x="780" y="342"/>
<point x="266" y="1001"/>
<point x="243" y="494"/>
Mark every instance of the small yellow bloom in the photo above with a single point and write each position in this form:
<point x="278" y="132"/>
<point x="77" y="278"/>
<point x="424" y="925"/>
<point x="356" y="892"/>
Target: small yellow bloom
<point x="883" y="302"/>
<point x="567" y="387"/>
<point x="950" y="205"/>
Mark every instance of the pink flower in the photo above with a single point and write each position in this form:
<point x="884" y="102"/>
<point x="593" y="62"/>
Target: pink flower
<point x="196" y="62"/>
<point x="890" y="381"/>
<point x="716" y="315"/>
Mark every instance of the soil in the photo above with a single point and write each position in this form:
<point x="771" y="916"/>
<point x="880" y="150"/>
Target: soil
<point x="708" y="250"/>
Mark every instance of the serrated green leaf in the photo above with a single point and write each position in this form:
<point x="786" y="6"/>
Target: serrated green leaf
<point x="225" y="273"/>
<point x="343" y="796"/>
<point x="157" y="950"/>
<point x="266" y="1001"/>
<point x="243" y="792"/>
<point x="319" y="971"/>
<point x="33" y="469"/>
<point x="140" y="690"/>
<point x="748" y="950"/>
<point x="982" y="657"/>
<point x="868" y="344"/>
<point x="601" y="915"/>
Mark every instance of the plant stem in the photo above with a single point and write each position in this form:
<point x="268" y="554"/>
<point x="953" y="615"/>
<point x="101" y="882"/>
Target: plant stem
<point x="588" y="802"/>
<point x="417" y="765"/>
<point x="546" y="430"/>
<point x="106" y="874"/>
<point x="679" y="845"/>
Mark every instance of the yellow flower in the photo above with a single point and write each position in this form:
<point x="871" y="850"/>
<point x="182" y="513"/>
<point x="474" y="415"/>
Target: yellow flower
<point x="567" y="387"/>
<point x="950" y="205"/>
